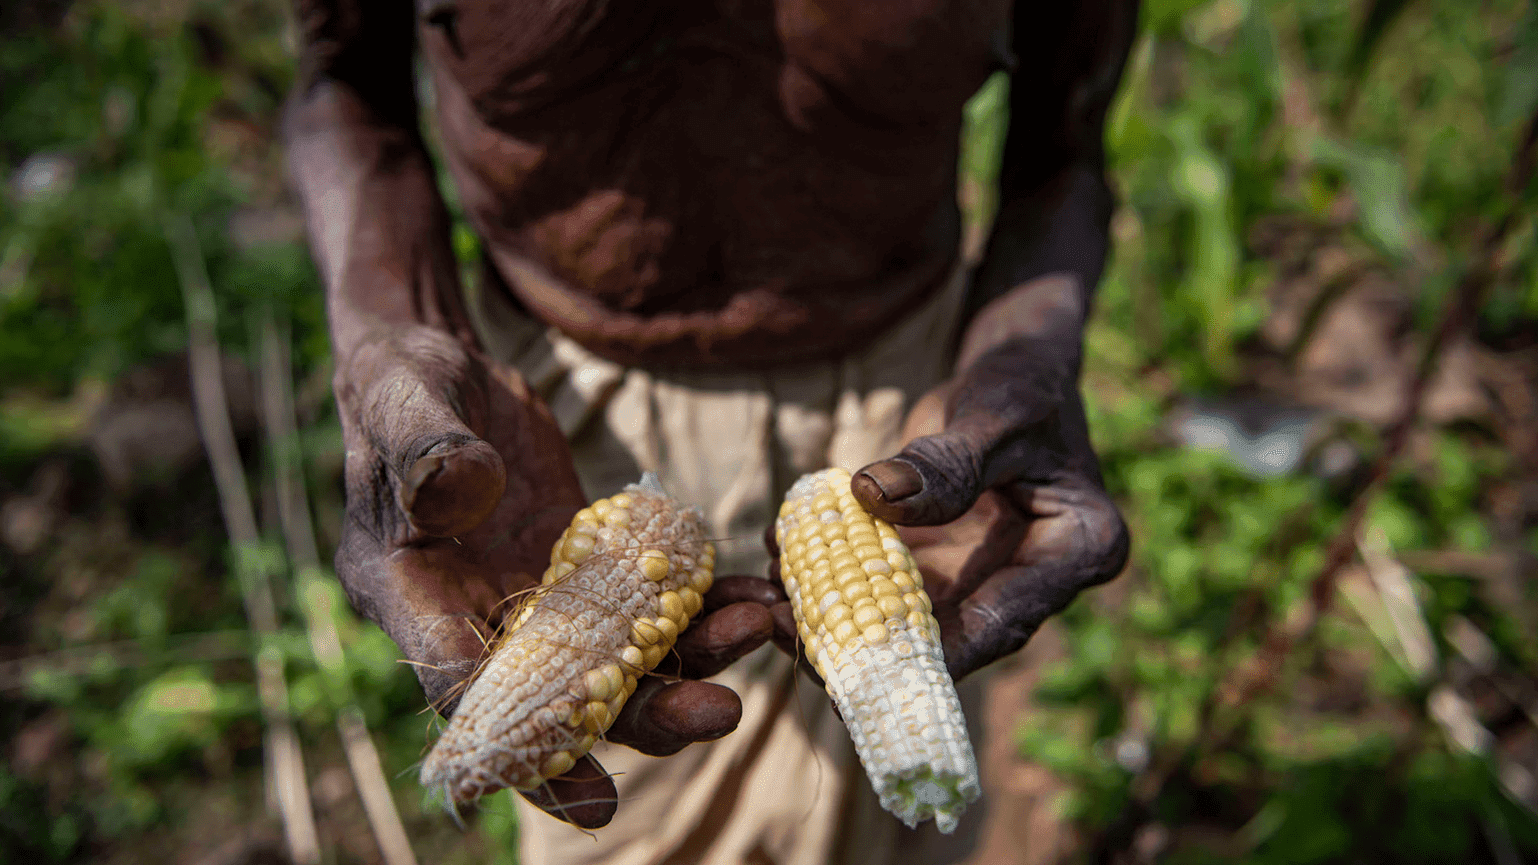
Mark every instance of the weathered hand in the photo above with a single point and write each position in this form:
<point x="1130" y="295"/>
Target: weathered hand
<point x="998" y="492"/>
<point x="458" y="483"/>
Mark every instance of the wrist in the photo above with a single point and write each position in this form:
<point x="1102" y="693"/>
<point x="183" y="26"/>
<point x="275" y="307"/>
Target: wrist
<point x="377" y="223"/>
<point x="1041" y="320"/>
<point x="1060" y="230"/>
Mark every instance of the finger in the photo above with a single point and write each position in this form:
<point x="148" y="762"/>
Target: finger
<point x="418" y="596"/>
<point x="788" y="641"/>
<point x="933" y="480"/>
<point x="451" y="489"/>
<point x="708" y="646"/>
<point x="739" y="589"/>
<point x="1013" y="416"/>
<point x="584" y="796"/>
<point x="785" y="634"/>
<point x="660" y="718"/>
<point x="411" y="401"/>
<point x="1077" y="539"/>
<point x="937" y="478"/>
<point x="772" y="545"/>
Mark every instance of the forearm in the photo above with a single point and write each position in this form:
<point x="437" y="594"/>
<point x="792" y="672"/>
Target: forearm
<point x="1023" y="341"/>
<point x="378" y="226"/>
<point x="1055" y="205"/>
<point x="1040" y="271"/>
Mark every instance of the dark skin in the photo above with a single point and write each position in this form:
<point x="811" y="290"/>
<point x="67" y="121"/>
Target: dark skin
<point x="727" y="184"/>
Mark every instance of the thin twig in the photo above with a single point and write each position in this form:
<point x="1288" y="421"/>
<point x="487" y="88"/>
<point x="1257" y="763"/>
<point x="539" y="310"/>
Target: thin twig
<point x="285" y="759"/>
<point x="276" y="378"/>
<point x="15" y="673"/>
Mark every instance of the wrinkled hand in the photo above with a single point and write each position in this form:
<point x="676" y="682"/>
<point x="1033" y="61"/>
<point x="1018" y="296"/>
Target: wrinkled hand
<point x="998" y="492"/>
<point x="458" y="483"/>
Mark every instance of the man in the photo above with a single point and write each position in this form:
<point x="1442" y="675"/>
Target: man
<point x="722" y="243"/>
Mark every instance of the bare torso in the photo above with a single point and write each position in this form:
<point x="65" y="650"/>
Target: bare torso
<point x="739" y="182"/>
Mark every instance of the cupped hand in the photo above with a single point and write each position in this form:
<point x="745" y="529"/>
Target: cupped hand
<point x="998" y="492"/>
<point x="458" y="483"/>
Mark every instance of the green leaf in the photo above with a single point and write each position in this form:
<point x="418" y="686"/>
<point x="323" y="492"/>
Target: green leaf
<point x="1519" y="81"/>
<point x="1376" y="178"/>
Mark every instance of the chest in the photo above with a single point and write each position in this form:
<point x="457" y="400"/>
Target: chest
<point x="890" y="63"/>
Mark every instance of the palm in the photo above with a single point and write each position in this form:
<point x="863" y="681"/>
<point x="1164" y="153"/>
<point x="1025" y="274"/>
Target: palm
<point x="1021" y="549"/>
<point x="996" y="573"/>
<point x="467" y="522"/>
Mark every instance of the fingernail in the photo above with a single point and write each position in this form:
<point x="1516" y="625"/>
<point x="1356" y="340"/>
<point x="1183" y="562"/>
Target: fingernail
<point x="896" y="480"/>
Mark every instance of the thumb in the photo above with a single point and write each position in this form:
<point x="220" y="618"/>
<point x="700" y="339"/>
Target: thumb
<point x="411" y="402"/>
<point x="934" y="480"/>
<point x="453" y="487"/>
<point x="937" y="478"/>
<point x="1004" y="412"/>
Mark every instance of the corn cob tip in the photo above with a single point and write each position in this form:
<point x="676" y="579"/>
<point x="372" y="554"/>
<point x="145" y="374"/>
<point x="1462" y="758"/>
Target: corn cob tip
<point x="650" y="483"/>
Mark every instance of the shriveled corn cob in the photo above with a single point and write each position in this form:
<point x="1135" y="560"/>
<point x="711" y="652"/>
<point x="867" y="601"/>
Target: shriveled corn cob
<point x="624" y="580"/>
<point x="868" y="629"/>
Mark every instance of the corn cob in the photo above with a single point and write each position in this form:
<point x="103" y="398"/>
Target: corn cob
<point x="624" y="580"/>
<point x="868" y="629"/>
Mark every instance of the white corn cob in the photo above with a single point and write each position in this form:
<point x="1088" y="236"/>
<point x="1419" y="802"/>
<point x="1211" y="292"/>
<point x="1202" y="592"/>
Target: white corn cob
<point x="623" y="581"/>
<point x="867" y="628"/>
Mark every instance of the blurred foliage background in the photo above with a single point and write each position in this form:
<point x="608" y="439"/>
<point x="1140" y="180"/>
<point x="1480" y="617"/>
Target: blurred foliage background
<point x="1307" y="186"/>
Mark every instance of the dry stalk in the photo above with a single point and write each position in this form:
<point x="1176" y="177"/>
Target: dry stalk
<point x="284" y="757"/>
<point x="276" y="378"/>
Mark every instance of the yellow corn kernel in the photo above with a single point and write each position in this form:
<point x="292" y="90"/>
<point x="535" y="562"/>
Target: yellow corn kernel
<point x="693" y="602"/>
<point x="670" y="606"/>
<point x="577" y="548"/>
<point x="643" y="633"/>
<point x="557" y="764"/>
<point x="668" y="627"/>
<point x="632" y="656"/>
<point x="654" y="564"/>
<point x="654" y="655"/>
